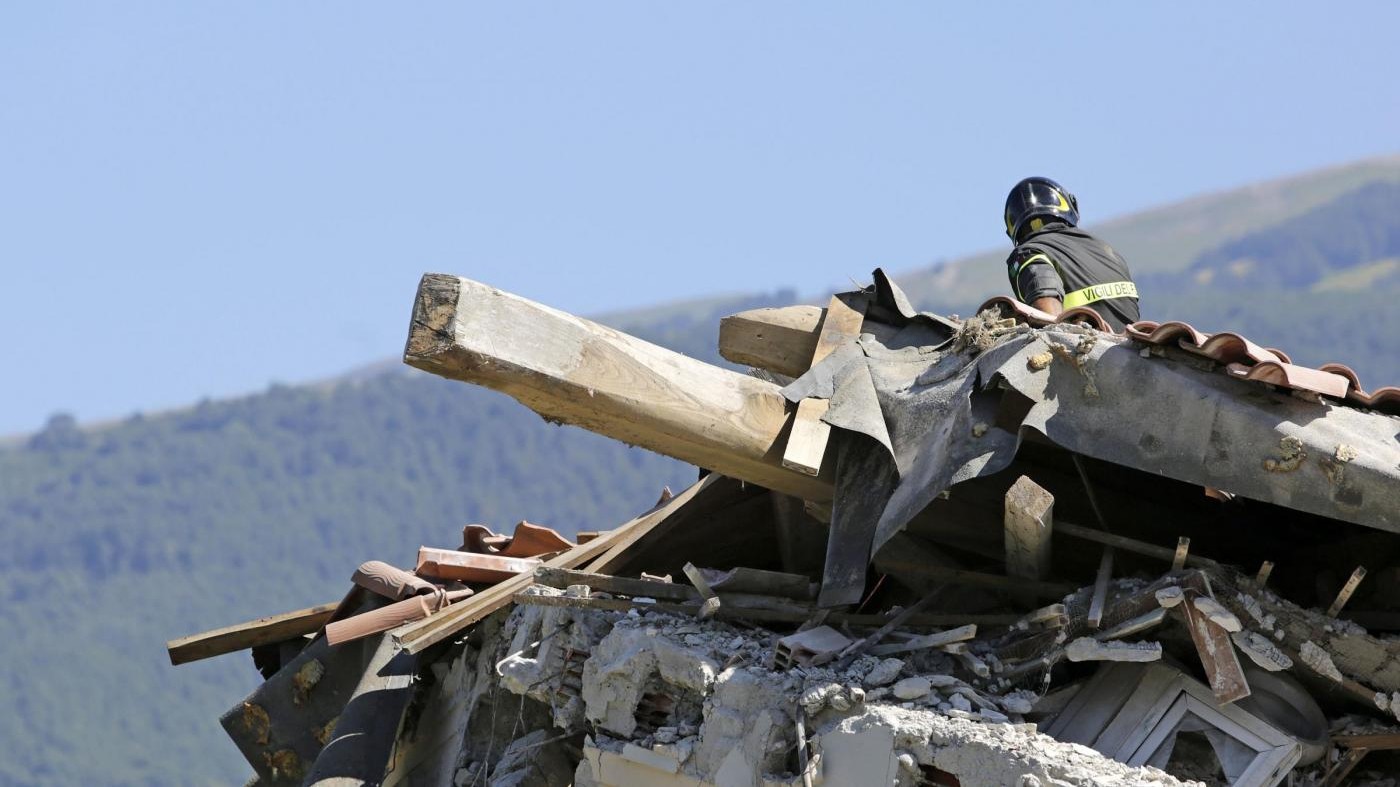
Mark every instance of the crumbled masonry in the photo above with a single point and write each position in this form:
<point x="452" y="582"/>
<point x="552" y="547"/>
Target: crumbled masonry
<point x="1016" y="549"/>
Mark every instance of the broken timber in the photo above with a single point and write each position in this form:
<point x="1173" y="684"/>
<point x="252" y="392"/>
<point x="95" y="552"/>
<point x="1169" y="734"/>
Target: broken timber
<point x="417" y="637"/>
<point x="1030" y="512"/>
<point x="806" y="446"/>
<point x="780" y="340"/>
<point x="574" y="371"/>
<point x="263" y="631"/>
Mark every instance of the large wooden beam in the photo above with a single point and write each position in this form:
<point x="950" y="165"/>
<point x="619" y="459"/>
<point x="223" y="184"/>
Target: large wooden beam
<point x="574" y="371"/>
<point x="782" y="340"/>
<point x="779" y="340"/>
<point x="1029" y="520"/>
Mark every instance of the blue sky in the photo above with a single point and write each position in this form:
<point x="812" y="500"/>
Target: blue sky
<point x="199" y="199"/>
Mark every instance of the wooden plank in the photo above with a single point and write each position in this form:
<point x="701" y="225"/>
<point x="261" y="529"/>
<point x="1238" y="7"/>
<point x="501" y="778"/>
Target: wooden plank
<point x="1183" y="548"/>
<point x="428" y="632"/>
<point x="1217" y="654"/>
<point x="840" y="325"/>
<point x="959" y="634"/>
<point x="711" y="603"/>
<point x="779" y="340"/>
<point x="893" y="623"/>
<point x="1385" y="741"/>
<point x="1128" y="544"/>
<point x="806" y="444"/>
<point x="604" y="563"/>
<point x="1345" y="594"/>
<point x="1344" y="766"/>
<point x="1029" y="522"/>
<point x="562" y="578"/>
<point x="1265" y="569"/>
<point x="1133" y="626"/>
<point x="241" y="636"/>
<point x="1100" y="595"/>
<point x="574" y="371"/>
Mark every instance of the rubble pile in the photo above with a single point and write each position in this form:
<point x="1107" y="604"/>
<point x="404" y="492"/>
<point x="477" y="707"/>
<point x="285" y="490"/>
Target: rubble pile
<point x="884" y="577"/>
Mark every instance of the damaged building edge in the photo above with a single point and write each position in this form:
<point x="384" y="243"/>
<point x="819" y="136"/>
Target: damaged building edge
<point x="957" y="668"/>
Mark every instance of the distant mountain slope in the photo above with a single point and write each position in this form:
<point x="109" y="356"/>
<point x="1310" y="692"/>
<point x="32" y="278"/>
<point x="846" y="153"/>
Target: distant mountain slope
<point x="121" y="537"/>
<point x="1360" y="228"/>
<point x="1164" y="239"/>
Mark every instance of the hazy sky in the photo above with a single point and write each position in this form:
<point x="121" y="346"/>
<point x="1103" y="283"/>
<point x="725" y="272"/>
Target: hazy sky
<point x="200" y="200"/>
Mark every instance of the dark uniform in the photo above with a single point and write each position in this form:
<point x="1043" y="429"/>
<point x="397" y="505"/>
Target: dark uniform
<point x="1064" y="262"/>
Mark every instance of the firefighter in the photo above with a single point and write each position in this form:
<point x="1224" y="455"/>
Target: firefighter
<point x="1057" y="266"/>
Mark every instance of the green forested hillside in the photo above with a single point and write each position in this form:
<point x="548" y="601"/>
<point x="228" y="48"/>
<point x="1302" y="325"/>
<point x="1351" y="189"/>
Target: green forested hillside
<point x="122" y="537"/>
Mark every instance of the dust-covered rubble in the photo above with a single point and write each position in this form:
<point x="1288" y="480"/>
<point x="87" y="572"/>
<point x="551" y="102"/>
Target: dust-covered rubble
<point x="698" y="702"/>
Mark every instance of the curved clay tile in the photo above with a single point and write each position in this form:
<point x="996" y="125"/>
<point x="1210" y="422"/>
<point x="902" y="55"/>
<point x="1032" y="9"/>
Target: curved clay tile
<point x="1166" y="333"/>
<point x="531" y="540"/>
<point x="1282" y="356"/>
<point x="1300" y="378"/>
<point x="1229" y="348"/>
<point x="1010" y="307"/>
<point x="1083" y="315"/>
<point x="1386" y="400"/>
<point x="1345" y="371"/>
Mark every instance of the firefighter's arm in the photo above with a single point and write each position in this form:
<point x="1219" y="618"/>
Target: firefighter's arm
<point x="1036" y="280"/>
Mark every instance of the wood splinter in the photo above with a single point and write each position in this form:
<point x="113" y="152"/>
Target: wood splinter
<point x="1265" y="569"/>
<point x="1100" y="596"/>
<point x="1346" y="591"/>
<point x="806" y="446"/>
<point x="711" y="603"/>
<point x="1183" y="546"/>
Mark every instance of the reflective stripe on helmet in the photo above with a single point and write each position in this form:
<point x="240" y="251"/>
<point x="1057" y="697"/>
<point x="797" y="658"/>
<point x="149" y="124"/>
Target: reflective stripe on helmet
<point x="1100" y="292"/>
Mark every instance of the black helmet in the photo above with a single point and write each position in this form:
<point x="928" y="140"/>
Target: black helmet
<point x="1038" y="198"/>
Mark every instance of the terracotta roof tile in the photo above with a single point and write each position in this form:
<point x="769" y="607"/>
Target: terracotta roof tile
<point x="1240" y="357"/>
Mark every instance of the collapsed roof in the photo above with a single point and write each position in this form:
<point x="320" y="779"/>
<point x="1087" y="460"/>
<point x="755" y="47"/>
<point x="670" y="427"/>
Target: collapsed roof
<point x="953" y="456"/>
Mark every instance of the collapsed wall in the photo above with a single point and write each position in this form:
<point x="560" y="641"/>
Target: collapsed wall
<point x="657" y="699"/>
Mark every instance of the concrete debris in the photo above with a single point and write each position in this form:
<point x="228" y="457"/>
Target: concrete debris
<point x="1217" y="613"/>
<point x="911" y="688"/>
<point x="1290" y="456"/>
<point x="884" y="673"/>
<point x="1261" y="651"/>
<point x="1170" y="596"/>
<point x="1319" y="660"/>
<point x="1090" y="649"/>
